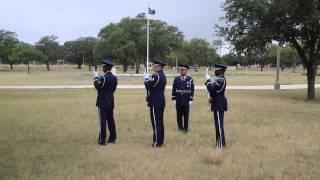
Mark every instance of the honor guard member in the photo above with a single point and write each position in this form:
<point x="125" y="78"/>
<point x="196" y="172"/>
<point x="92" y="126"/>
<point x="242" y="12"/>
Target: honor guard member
<point x="219" y="103"/>
<point x="182" y="96"/>
<point x="155" y="85"/>
<point x="106" y="85"/>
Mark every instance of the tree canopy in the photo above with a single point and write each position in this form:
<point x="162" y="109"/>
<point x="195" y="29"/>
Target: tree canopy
<point x="49" y="46"/>
<point x="252" y="25"/>
<point x="80" y="50"/>
<point x="8" y="41"/>
<point x="25" y="53"/>
<point x="126" y="41"/>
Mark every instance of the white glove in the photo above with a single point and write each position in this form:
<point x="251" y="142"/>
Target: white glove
<point x="174" y="101"/>
<point x="190" y="103"/>
<point x="207" y="77"/>
<point x="95" y="74"/>
<point x="145" y="75"/>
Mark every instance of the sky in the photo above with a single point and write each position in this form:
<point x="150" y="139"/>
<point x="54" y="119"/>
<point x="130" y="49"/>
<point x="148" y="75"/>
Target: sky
<point x="71" y="19"/>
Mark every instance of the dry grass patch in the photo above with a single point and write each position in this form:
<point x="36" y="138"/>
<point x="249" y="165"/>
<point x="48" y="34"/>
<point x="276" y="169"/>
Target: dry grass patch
<point x="52" y="134"/>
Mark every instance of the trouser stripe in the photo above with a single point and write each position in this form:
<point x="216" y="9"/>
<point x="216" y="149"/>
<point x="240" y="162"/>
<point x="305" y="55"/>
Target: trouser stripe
<point x="100" y="125"/>
<point x="220" y="137"/>
<point x="155" y="125"/>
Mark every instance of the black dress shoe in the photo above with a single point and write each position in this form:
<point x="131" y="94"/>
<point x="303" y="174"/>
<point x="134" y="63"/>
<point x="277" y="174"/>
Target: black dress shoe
<point x="157" y="146"/>
<point x="102" y="143"/>
<point x="111" y="141"/>
<point x="185" y="131"/>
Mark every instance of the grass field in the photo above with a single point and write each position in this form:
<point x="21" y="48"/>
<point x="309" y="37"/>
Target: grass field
<point x="69" y="75"/>
<point x="52" y="134"/>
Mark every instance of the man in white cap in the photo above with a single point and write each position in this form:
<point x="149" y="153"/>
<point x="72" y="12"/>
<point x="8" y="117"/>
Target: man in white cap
<point x="182" y="97"/>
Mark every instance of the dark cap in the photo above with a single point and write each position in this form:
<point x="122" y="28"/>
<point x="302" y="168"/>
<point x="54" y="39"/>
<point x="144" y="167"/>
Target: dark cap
<point x="107" y="62"/>
<point x="159" y="62"/>
<point x="220" y="66"/>
<point x="183" y="66"/>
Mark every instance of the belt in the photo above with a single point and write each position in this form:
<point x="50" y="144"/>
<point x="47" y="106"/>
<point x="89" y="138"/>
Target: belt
<point x="183" y="91"/>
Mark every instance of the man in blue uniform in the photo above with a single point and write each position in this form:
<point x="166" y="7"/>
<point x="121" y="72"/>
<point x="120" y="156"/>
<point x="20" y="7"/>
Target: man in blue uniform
<point x="106" y="85"/>
<point x="182" y="96"/>
<point x="219" y="103"/>
<point x="155" y="85"/>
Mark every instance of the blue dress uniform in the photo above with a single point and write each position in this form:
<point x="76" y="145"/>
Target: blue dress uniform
<point x="106" y="85"/>
<point x="219" y="105"/>
<point x="182" y="93"/>
<point x="156" y="102"/>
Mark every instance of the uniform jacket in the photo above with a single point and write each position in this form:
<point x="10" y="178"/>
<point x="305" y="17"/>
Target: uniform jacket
<point x="106" y="85"/>
<point x="217" y="93"/>
<point x="183" y="90"/>
<point x="155" y="87"/>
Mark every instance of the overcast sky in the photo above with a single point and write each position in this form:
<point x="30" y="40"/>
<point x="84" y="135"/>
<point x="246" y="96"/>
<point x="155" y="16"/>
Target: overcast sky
<point x="70" y="19"/>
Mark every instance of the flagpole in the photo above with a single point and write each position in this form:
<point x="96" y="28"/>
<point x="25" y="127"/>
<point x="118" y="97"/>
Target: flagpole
<point x="148" y="33"/>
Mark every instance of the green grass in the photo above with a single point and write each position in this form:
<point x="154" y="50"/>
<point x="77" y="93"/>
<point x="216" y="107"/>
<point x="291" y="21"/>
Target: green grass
<point x="69" y="75"/>
<point x="52" y="134"/>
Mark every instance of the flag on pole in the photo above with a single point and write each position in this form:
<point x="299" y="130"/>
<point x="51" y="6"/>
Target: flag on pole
<point x="152" y="11"/>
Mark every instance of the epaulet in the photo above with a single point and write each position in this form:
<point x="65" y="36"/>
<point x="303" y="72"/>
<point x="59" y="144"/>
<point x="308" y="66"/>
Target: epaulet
<point x="222" y="77"/>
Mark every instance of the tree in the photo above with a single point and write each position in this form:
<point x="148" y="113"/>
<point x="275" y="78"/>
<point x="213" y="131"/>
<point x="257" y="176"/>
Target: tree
<point x="163" y="38"/>
<point x="86" y="48"/>
<point x="25" y="53"/>
<point x="199" y="52"/>
<point x="80" y="49"/>
<point x="254" y="24"/>
<point x="218" y="44"/>
<point x="234" y="59"/>
<point x="177" y="55"/>
<point x="100" y="51"/>
<point x="72" y="52"/>
<point x="289" y="56"/>
<point x="126" y="41"/>
<point x="120" y="46"/>
<point x="49" y="46"/>
<point x="212" y="56"/>
<point x="8" y="41"/>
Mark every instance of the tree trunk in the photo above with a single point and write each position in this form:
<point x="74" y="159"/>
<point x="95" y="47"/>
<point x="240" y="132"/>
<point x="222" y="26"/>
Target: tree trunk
<point x="125" y="67"/>
<point x="28" y="67"/>
<point x="48" y="65"/>
<point x="294" y="66"/>
<point x="261" y="67"/>
<point x="11" y="66"/>
<point x="195" y="67"/>
<point x="311" y="75"/>
<point x="79" y="66"/>
<point x="89" y="66"/>
<point x="137" y="66"/>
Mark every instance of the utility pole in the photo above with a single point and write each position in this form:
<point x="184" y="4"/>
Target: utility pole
<point x="277" y="83"/>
